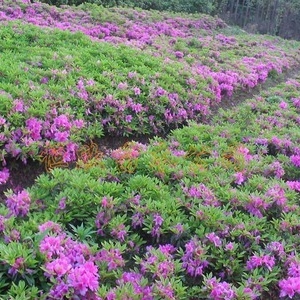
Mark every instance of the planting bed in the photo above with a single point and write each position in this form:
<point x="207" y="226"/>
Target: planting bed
<point x="210" y="211"/>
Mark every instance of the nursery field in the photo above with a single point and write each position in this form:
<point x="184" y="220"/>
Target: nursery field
<point x="201" y="202"/>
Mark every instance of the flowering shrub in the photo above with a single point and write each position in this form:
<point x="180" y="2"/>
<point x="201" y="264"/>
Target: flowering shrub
<point x="210" y="212"/>
<point x="117" y="71"/>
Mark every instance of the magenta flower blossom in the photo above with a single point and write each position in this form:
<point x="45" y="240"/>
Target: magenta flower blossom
<point x="62" y="122"/>
<point x="34" y="128"/>
<point x="179" y="54"/>
<point x="61" y="137"/>
<point x="18" y="266"/>
<point x="220" y="290"/>
<point x="4" y="175"/>
<point x="194" y="258"/>
<point x="19" y="203"/>
<point x="283" y="105"/>
<point x="52" y="245"/>
<point x="256" y="261"/>
<point x="289" y="287"/>
<point x="213" y="238"/>
<point x="122" y="86"/>
<point x="295" y="160"/>
<point x="239" y="178"/>
<point x="294" y="185"/>
<point x="59" y="291"/>
<point x="84" y="278"/>
<point x="257" y="206"/>
<point x="58" y="267"/>
<point x="137" y="91"/>
<point x="276" y="248"/>
<point x="296" y="102"/>
<point x="119" y="232"/>
<point x="277" y="194"/>
<point x="294" y="269"/>
<point x="112" y="257"/>
<point x="276" y="169"/>
<point x="18" y="106"/>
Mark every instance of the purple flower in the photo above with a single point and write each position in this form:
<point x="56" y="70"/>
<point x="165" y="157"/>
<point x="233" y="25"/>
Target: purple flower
<point x="296" y="102"/>
<point x="44" y="80"/>
<point x="294" y="185"/>
<point x="128" y="118"/>
<point x="18" y="106"/>
<point x="58" y="267"/>
<point x="112" y="257"/>
<point x="295" y="160"/>
<point x="294" y="269"/>
<point x="283" y="105"/>
<point x="4" y="175"/>
<point x="289" y="286"/>
<point x="19" y="203"/>
<point x="84" y="278"/>
<point x="219" y="290"/>
<point x="34" y="128"/>
<point x="122" y="86"/>
<point x="137" y="91"/>
<point x="18" y="266"/>
<point x="229" y="246"/>
<point x="61" y="137"/>
<point x="51" y="245"/>
<point x="256" y="206"/>
<point x="179" y="54"/>
<point x="277" y="248"/>
<point x="213" y="238"/>
<point x="239" y="178"/>
<point x="194" y="259"/>
<point x="120" y="232"/>
<point x="258" y="261"/>
<point x="59" y="291"/>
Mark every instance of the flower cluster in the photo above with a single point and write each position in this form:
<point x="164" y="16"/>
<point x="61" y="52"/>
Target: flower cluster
<point x="70" y="265"/>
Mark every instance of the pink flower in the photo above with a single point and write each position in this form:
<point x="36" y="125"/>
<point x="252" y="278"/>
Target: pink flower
<point x="128" y="118"/>
<point x="51" y="245"/>
<point x="213" y="238"/>
<point x="61" y="137"/>
<point x="296" y="102"/>
<point x="122" y="86"/>
<point x="4" y="175"/>
<point x="179" y="54"/>
<point x="18" y="105"/>
<point x="256" y="206"/>
<point x="220" y="290"/>
<point x="19" y="203"/>
<point x="295" y="160"/>
<point x="2" y="121"/>
<point x="58" y="267"/>
<point x="112" y="257"/>
<point x="137" y="91"/>
<point x="34" y="127"/>
<point x="258" y="261"/>
<point x="289" y="286"/>
<point x="239" y="178"/>
<point x="62" y="121"/>
<point x="229" y="246"/>
<point x="283" y="105"/>
<point x="294" y="185"/>
<point x="84" y="278"/>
